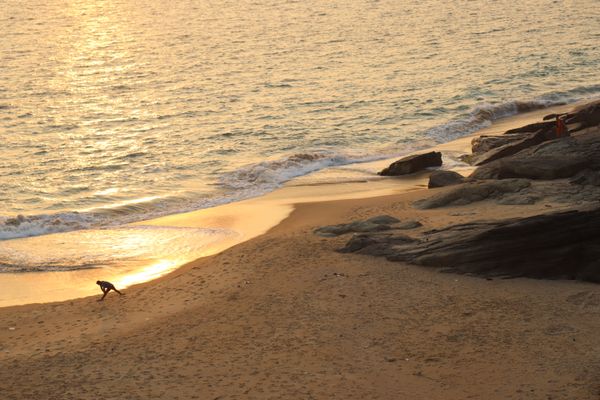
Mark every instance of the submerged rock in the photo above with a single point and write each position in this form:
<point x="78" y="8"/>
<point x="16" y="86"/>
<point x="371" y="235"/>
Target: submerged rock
<point x="413" y="163"/>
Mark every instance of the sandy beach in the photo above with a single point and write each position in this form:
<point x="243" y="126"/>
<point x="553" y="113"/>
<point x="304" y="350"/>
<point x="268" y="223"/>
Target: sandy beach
<point x="285" y="316"/>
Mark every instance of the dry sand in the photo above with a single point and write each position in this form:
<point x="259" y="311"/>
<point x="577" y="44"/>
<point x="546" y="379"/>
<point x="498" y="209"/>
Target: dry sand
<point x="284" y="316"/>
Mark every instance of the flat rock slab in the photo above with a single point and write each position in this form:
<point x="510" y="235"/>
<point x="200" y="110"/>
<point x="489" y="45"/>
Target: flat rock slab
<point x="563" y="245"/>
<point x="473" y="191"/>
<point x="412" y="164"/>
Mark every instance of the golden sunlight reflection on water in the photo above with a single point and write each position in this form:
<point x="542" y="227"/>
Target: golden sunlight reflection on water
<point x="148" y="273"/>
<point x="73" y="261"/>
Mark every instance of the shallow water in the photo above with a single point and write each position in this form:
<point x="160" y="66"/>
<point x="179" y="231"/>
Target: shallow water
<point x="112" y="112"/>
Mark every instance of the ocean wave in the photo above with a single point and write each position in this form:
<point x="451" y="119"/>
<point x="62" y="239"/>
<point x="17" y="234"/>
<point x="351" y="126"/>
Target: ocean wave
<point x="21" y="226"/>
<point x="268" y="175"/>
<point x="484" y="114"/>
<point x="48" y="267"/>
<point x="35" y="225"/>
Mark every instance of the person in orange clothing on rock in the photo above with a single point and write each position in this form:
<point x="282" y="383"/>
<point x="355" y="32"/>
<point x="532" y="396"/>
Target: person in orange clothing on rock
<point x="561" y="127"/>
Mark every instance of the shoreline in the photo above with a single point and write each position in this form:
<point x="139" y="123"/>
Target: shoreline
<point x="284" y="315"/>
<point x="249" y="218"/>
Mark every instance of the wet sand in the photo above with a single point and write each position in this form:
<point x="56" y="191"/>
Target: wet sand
<point x="284" y="316"/>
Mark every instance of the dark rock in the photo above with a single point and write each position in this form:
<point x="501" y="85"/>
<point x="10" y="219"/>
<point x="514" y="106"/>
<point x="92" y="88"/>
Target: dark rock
<point x="471" y="192"/>
<point x="375" y="224"/>
<point x="383" y="219"/>
<point x="586" y="177"/>
<point x="532" y="128"/>
<point x="15" y="221"/>
<point x="366" y="226"/>
<point x="379" y="244"/>
<point x="510" y="148"/>
<point x="412" y="164"/>
<point x="586" y="116"/>
<point x="485" y="143"/>
<point x="412" y="224"/>
<point x="562" y="245"/>
<point x="560" y="158"/>
<point x="444" y="178"/>
<point x="517" y="200"/>
<point x="358" y="226"/>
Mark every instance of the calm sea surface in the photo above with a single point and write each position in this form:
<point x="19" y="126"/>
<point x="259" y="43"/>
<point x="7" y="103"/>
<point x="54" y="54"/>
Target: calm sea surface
<point x="113" y="111"/>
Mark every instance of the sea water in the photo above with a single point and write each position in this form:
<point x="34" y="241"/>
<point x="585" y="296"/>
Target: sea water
<point x="115" y="111"/>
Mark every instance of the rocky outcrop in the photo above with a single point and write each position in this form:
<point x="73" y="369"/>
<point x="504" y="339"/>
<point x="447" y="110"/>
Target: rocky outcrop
<point x="471" y="192"/>
<point x="559" y="158"/>
<point x="522" y="167"/>
<point x="489" y="148"/>
<point x="412" y="164"/>
<point x="441" y="178"/>
<point x="564" y="245"/>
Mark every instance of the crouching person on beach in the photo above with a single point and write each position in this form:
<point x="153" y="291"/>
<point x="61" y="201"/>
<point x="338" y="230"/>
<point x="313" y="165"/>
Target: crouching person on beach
<point x="106" y="287"/>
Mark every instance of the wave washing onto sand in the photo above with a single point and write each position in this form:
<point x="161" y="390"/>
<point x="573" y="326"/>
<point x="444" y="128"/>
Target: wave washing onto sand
<point x="269" y="175"/>
<point x="260" y="178"/>
<point x="246" y="182"/>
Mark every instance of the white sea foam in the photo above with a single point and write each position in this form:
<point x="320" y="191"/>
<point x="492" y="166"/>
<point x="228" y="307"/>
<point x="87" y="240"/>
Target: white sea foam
<point x="268" y="175"/>
<point x="483" y="115"/>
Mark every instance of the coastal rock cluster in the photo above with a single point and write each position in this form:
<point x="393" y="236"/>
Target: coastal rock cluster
<point x="563" y="245"/>
<point x="519" y="168"/>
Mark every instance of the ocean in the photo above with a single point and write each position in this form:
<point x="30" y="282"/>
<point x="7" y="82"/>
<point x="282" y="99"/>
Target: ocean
<point x="116" y="111"/>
